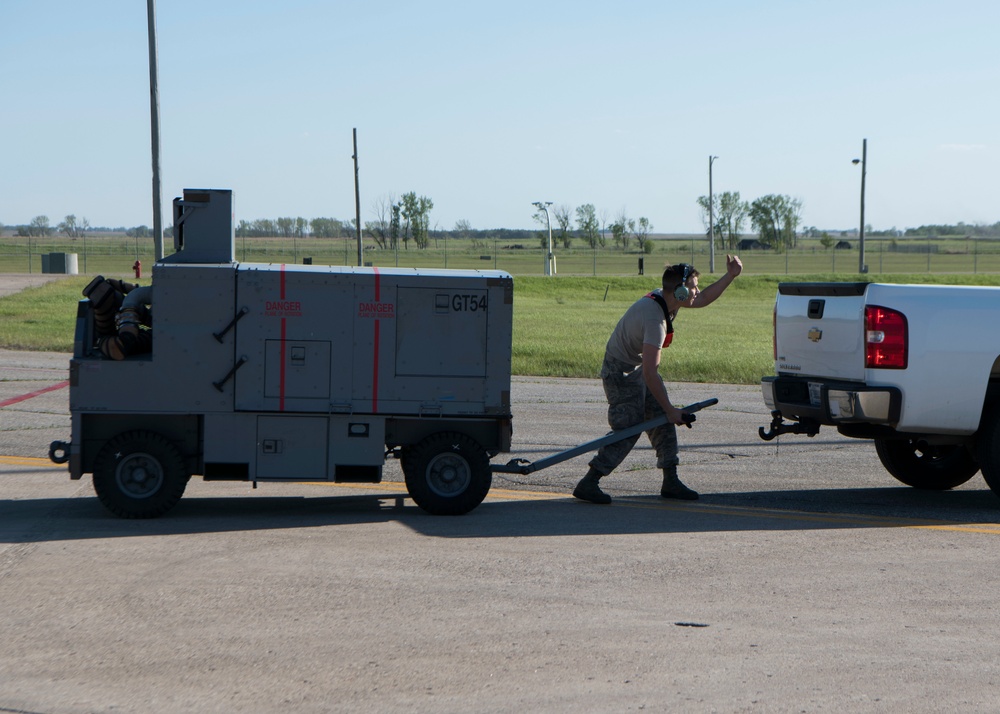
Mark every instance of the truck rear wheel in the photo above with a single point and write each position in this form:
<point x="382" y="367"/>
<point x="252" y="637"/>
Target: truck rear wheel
<point x="917" y="464"/>
<point x="139" y="474"/>
<point x="988" y="448"/>
<point x="447" y="474"/>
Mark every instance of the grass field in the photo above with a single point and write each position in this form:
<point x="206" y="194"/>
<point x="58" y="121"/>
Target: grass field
<point x="560" y="324"/>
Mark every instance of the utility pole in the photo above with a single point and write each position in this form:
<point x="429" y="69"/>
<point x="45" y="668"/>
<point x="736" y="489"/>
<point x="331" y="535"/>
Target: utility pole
<point x="154" y="118"/>
<point x="549" y="258"/>
<point x="357" y="200"/>
<point x="711" y="218"/>
<point x="862" y="268"/>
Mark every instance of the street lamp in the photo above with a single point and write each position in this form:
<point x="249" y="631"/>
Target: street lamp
<point x="711" y="219"/>
<point x="549" y="258"/>
<point x="862" y="268"/>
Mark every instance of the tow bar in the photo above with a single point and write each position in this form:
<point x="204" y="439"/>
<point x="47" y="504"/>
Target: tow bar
<point x="523" y="467"/>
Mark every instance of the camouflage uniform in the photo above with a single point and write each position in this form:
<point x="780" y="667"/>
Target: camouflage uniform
<point x="629" y="403"/>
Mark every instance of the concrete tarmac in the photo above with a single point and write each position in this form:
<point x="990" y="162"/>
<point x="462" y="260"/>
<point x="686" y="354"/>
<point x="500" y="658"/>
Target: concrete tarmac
<point x="804" y="579"/>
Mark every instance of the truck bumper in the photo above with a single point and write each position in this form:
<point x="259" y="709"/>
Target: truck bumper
<point x="831" y="402"/>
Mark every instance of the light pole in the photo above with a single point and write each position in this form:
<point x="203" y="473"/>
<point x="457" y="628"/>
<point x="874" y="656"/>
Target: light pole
<point x="711" y="218"/>
<point x="549" y="259"/>
<point x="154" y="127"/>
<point x="862" y="268"/>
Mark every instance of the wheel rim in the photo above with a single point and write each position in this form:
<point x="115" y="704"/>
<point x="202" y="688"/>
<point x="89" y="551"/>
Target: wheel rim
<point x="448" y="474"/>
<point x="139" y="475"/>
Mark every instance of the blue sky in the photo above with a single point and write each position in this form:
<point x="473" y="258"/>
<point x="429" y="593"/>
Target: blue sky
<point x="486" y="107"/>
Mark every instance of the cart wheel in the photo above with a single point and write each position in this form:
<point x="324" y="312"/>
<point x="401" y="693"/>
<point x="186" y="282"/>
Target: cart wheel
<point x="447" y="474"/>
<point x="139" y="474"/>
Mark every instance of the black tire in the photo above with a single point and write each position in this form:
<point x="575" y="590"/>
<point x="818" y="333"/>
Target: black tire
<point x="934" y="468"/>
<point x="139" y="474"/>
<point x="988" y="448"/>
<point x="447" y="474"/>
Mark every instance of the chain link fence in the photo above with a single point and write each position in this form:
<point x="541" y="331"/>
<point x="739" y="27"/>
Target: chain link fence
<point x="116" y="255"/>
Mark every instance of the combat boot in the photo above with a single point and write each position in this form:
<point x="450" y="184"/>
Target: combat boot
<point x="589" y="488"/>
<point x="673" y="488"/>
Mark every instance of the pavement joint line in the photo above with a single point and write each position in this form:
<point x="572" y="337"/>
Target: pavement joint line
<point x="741" y="511"/>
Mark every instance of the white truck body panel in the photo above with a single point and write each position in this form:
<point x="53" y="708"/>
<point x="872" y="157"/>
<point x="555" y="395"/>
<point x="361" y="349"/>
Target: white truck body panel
<point x="953" y="335"/>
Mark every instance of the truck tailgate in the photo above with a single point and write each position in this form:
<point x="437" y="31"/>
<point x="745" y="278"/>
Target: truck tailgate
<point x="819" y="330"/>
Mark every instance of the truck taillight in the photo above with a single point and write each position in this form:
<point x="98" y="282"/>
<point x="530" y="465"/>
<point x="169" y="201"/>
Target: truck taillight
<point x="774" y="332"/>
<point x="885" y="338"/>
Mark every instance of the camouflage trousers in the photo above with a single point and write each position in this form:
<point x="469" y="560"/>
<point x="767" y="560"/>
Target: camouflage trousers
<point x="629" y="403"/>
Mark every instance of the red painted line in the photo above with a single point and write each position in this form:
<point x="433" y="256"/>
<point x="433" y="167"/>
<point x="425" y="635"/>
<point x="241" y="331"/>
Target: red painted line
<point x="375" y="356"/>
<point x="25" y="397"/>
<point x="281" y="371"/>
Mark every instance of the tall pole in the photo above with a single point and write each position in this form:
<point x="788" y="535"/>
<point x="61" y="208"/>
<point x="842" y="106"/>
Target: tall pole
<point x="549" y="258"/>
<point x="154" y="118"/>
<point x="861" y="232"/>
<point x="357" y="200"/>
<point x="711" y="218"/>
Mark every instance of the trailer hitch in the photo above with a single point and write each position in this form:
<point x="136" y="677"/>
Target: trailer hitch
<point x="809" y="427"/>
<point x="524" y="467"/>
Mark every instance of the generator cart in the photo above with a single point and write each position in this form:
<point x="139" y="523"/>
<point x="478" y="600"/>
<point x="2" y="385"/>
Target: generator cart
<point x="264" y="372"/>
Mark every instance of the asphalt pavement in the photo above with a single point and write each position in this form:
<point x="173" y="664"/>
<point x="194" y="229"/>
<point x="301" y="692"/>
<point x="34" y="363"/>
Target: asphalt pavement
<point x="804" y="579"/>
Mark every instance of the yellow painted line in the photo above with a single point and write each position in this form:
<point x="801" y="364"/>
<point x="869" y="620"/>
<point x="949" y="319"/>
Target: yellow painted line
<point x="831" y="518"/>
<point x="29" y="461"/>
<point x="844" y="519"/>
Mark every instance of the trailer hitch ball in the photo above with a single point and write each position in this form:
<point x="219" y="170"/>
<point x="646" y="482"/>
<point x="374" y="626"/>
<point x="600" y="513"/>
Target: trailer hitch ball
<point x="59" y="452"/>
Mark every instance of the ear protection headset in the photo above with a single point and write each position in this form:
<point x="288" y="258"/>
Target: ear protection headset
<point x="681" y="292"/>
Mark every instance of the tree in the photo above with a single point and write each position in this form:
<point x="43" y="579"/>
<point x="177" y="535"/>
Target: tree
<point x="39" y="226"/>
<point x="776" y="219"/>
<point x="408" y="211"/>
<point x="379" y="228"/>
<point x="826" y="240"/>
<point x="68" y="226"/>
<point x="641" y="229"/>
<point x="620" y="230"/>
<point x="423" y="224"/>
<point x="586" y="223"/>
<point x="544" y="221"/>
<point x="325" y="227"/>
<point x="394" y="230"/>
<point x="733" y="212"/>
<point x="730" y="213"/>
<point x="564" y="221"/>
<point x="286" y="227"/>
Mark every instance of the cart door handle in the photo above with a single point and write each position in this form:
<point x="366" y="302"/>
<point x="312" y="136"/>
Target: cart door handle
<point x="218" y="385"/>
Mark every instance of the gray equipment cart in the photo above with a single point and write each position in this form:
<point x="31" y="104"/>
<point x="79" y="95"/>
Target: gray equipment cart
<point x="264" y="372"/>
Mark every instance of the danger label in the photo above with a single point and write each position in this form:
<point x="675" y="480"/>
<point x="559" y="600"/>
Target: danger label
<point x="382" y="310"/>
<point x="282" y="308"/>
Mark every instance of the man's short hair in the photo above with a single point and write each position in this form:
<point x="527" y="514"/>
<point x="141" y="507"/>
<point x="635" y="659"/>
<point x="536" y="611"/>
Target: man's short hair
<point x="673" y="275"/>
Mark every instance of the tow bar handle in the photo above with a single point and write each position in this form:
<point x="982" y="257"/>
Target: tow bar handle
<point x="521" y="466"/>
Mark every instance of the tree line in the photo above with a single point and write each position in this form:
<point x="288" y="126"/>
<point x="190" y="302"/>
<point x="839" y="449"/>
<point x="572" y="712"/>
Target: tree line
<point x="41" y="227"/>
<point x="774" y="217"/>
<point x="592" y="227"/>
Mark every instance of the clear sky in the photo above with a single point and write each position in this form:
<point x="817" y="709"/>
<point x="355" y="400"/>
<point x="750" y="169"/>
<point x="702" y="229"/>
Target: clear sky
<point x="486" y="107"/>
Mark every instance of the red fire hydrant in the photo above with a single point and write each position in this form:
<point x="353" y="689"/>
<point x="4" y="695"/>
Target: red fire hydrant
<point x="137" y="267"/>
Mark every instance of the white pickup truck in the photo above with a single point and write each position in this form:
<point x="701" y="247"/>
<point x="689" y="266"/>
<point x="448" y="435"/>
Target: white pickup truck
<point x="916" y="368"/>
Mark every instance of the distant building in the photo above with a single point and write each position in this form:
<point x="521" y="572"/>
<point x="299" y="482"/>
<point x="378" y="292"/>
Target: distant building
<point x="843" y="245"/>
<point x="752" y="244"/>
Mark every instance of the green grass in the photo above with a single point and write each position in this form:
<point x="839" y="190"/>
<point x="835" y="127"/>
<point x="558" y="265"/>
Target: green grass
<point x="561" y="324"/>
<point x="41" y="318"/>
